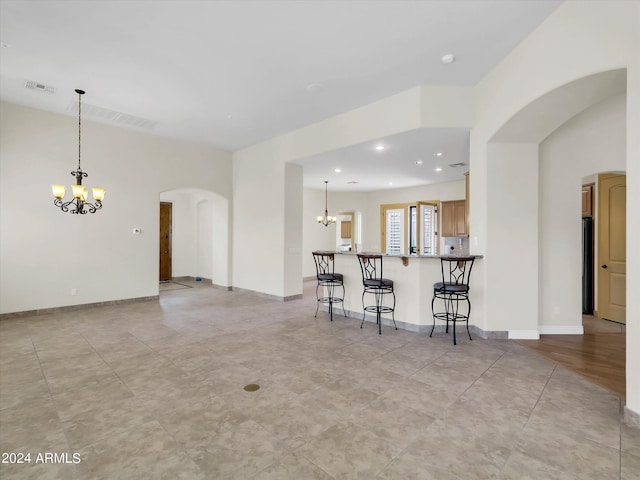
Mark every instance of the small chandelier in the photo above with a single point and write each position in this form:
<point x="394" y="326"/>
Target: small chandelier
<point x="326" y="220"/>
<point x="78" y="204"/>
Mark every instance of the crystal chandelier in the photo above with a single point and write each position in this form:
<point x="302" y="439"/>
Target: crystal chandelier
<point x="326" y="220"/>
<point x="78" y="204"/>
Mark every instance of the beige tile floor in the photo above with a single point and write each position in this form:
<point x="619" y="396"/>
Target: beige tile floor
<point x="154" y="390"/>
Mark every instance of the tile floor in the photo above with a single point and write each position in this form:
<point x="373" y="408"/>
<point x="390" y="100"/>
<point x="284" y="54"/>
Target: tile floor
<point x="154" y="390"/>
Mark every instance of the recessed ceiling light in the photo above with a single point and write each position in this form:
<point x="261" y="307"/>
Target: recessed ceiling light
<point x="390" y="183"/>
<point x="438" y="169"/>
<point x="437" y="154"/>
<point x="418" y="162"/>
<point x="337" y="170"/>
<point x="448" y="58"/>
<point x="380" y="147"/>
<point x="315" y="88"/>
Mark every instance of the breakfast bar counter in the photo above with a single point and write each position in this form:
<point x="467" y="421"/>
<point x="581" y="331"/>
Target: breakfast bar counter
<point x="413" y="277"/>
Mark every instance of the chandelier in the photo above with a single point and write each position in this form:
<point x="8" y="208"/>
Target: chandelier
<point x="78" y="204"/>
<point x="326" y="220"/>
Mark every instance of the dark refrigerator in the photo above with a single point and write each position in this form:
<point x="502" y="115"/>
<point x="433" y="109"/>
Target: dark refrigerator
<point x="587" y="265"/>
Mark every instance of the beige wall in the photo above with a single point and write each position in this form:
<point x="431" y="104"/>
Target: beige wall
<point x="591" y="143"/>
<point x="46" y="253"/>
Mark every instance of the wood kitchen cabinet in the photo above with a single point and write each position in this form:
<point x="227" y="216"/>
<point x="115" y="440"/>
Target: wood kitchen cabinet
<point x="454" y="219"/>
<point x="587" y="200"/>
<point x="345" y="229"/>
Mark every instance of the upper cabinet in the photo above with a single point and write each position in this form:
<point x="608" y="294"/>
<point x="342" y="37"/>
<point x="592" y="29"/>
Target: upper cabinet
<point x="455" y="215"/>
<point x="345" y="229"/>
<point x="454" y="219"/>
<point x="587" y="200"/>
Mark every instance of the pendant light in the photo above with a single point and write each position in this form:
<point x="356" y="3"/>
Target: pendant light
<point x="326" y="219"/>
<point x="78" y="204"/>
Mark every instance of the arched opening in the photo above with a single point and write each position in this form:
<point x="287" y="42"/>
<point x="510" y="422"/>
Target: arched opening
<point x="200" y="235"/>
<point x="572" y="133"/>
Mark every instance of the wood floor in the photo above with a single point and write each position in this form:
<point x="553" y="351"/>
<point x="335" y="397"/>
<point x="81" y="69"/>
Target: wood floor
<point x="598" y="355"/>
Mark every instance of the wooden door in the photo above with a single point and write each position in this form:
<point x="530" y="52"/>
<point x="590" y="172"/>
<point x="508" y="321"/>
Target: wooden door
<point x="165" y="241"/>
<point x="612" y="215"/>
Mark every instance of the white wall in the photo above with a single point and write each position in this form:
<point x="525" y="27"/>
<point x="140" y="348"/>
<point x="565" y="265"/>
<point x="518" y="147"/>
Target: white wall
<point x="259" y="175"/>
<point x="293" y="231"/>
<point x="46" y="253"/>
<point x="512" y="240"/>
<point x="578" y="40"/>
<point x="590" y="143"/>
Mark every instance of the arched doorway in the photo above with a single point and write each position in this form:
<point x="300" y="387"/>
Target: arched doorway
<point x="199" y="235"/>
<point x="572" y="132"/>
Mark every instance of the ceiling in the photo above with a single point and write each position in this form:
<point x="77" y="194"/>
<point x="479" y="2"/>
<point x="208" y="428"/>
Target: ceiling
<point x="234" y="73"/>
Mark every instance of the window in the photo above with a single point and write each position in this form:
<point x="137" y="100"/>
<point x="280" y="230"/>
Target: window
<point x="428" y="214"/>
<point x="417" y="235"/>
<point x="395" y="231"/>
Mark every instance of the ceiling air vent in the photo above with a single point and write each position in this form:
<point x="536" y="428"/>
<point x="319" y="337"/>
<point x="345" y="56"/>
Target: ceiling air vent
<point x="454" y="165"/>
<point x="39" y="87"/>
<point x="112" y="116"/>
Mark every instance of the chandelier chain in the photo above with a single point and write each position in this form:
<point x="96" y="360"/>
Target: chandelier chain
<point x="79" y="127"/>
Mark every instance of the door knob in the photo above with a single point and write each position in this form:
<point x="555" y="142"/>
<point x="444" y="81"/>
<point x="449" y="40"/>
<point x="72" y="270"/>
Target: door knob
<point x="166" y="251"/>
<point x="605" y="266"/>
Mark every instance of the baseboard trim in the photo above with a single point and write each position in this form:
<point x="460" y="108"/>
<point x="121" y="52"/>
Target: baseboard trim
<point x="561" y="330"/>
<point x="71" y="308"/>
<point x="631" y="418"/>
<point x="412" y="327"/>
<point x="267" y="295"/>
<point x="524" y="335"/>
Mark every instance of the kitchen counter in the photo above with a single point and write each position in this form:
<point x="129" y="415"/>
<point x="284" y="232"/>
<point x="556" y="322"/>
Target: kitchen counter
<point x="413" y="285"/>
<point x="405" y="258"/>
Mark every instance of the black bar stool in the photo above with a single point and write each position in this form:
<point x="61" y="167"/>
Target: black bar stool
<point x="374" y="283"/>
<point x="328" y="279"/>
<point x="454" y="288"/>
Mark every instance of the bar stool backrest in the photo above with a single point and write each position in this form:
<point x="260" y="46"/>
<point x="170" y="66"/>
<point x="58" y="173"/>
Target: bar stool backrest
<point x="324" y="263"/>
<point x="371" y="267"/>
<point x="456" y="270"/>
